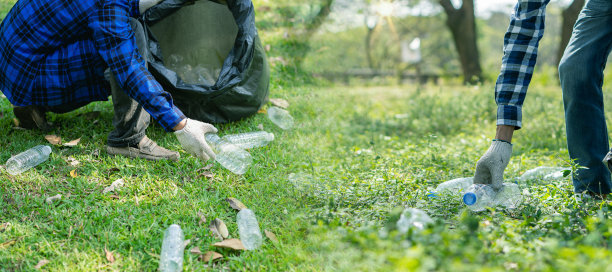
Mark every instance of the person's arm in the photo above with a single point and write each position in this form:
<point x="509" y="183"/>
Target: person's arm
<point x="116" y="44"/>
<point x="520" y="52"/>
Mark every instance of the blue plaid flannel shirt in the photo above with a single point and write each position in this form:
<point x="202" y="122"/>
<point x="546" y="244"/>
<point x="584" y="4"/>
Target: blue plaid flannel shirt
<point x="520" y="52"/>
<point x="54" y="52"/>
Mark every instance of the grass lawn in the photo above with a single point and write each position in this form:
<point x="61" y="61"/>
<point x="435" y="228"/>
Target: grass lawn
<point x="329" y="189"/>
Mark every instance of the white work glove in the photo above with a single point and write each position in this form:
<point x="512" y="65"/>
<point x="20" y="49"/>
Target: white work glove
<point x="192" y="138"/>
<point x="490" y="168"/>
<point x="143" y="5"/>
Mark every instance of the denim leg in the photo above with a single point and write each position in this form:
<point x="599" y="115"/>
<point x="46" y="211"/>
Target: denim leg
<point x="130" y="119"/>
<point x="581" y="75"/>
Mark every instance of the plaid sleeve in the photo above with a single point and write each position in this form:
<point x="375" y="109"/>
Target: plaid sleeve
<point x="520" y="53"/>
<point x="116" y="44"/>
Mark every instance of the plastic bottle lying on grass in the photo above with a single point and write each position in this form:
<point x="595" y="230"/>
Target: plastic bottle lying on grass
<point x="480" y="196"/>
<point x="27" y="159"/>
<point x="457" y="185"/>
<point x="280" y="117"/>
<point x="248" y="228"/>
<point x="544" y="173"/>
<point x="171" y="257"/>
<point x="412" y="217"/>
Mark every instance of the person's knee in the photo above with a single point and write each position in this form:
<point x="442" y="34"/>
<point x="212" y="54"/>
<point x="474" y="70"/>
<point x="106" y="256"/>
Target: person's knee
<point x="568" y="66"/>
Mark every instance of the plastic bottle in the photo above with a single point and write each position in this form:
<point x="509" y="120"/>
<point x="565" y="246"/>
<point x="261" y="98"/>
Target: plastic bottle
<point x="27" y="159"/>
<point x="479" y="196"/>
<point x="509" y="196"/>
<point x="412" y="217"/>
<point x="248" y="228"/>
<point x="171" y="257"/>
<point x="231" y="157"/>
<point x="543" y="172"/>
<point x="280" y="117"/>
<point x="250" y="139"/>
<point x="457" y="185"/>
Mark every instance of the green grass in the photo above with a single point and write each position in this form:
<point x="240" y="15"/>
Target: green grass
<point x="364" y="153"/>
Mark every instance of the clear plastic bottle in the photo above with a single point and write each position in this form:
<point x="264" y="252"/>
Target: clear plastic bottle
<point x="479" y="196"/>
<point x="250" y="139"/>
<point x="509" y="196"/>
<point x="28" y="159"/>
<point x="457" y="185"/>
<point x="248" y="228"/>
<point x="231" y="157"/>
<point x="280" y="117"/>
<point x="171" y="257"/>
<point x="543" y="172"/>
<point x="412" y="217"/>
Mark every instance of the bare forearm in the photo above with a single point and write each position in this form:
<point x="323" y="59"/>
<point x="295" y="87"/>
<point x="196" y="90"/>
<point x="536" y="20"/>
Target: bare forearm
<point x="504" y="133"/>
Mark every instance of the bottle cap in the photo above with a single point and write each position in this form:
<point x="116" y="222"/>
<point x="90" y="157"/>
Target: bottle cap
<point x="432" y="194"/>
<point x="469" y="198"/>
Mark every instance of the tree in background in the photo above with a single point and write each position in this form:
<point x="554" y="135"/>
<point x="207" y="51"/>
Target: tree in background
<point x="461" y="22"/>
<point x="569" y="15"/>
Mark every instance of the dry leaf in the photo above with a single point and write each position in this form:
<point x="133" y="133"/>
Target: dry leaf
<point x="202" y="218"/>
<point x="114" y="186"/>
<point x="54" y="139"/>
<point x="260" y="127"/>
<point x="271" y="236"/>
<point x="210" y="256"/>
<point x="73" y="173"/>
<point x="219" y="229"/>
<point x="234" y="244"/>
<point x="206" y="174"/>
<point x="279" y="102"/>
<point x="186" y="243"/>
<point x="4" y="226"/>
<point x="262" y="110"/>
<point x="52" y="199"/>
<point x="73" y="143"/>
<point x="195" y="250"/>
<point x="109" y="255"/>
<point x="16" y="122"/>
<point x="91" y="115"/>
<point x="235" y="203"/>
<point x="8" y="243"/>
<point x="72" y="161"/>
<point x="41" y="263"/>
<point x="205" y="168"/>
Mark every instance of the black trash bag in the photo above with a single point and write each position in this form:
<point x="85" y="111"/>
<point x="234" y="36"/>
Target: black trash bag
<point x="220" y="43"/>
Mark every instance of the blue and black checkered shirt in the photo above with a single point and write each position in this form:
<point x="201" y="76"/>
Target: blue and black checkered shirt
<point x="54" y="52"/>
<point x="520" y="52"/>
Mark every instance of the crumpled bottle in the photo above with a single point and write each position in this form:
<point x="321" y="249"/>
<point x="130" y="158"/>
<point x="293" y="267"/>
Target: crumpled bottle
<point x="480" y="196"/>
<point x="412" y="217"/>
<point x="231" y="157"/>
<point x="280" y="117"/>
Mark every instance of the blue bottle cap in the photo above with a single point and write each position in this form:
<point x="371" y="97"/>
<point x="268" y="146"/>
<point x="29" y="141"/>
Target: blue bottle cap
<point x="432" y="194"/>
<point x="469" y="198"/>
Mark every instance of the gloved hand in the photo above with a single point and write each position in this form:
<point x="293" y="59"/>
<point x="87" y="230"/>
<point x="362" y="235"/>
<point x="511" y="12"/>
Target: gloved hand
<point x="490" y="168"/>
<point x="143" y="5"/>
<point x="192" y="138"/>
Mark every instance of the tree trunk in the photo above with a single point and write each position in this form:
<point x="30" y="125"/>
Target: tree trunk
<point x="368" y="47"/>
<point x="569" y="15"/>
<point x="301" y="41"/>
<point x="462" y="24"/>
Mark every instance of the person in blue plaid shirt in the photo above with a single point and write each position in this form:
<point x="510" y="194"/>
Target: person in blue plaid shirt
<point x="57" y="56"/>
<point x="581" y="75"/>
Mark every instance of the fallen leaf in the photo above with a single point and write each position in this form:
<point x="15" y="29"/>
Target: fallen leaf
<point x="205" y="168"/>
<point x="235" y="203"/>
<point x="8" y="243"/>
<point x="219" y="228"/>
<point x="195" y="250"/>
<point x="91" y="115"/>
<point x="73" y="173"/>
<point x="206" y="174"/>
<point x="262" y="110"/>
<point x="109" y="255"/>
<point x="54" y="139"/>
<point x="234" y="244"/>
<point x="271" y="236"/>
<point x="114" y="186"/>
<point x="114" y="196"/>
<point x="186" y="243"/>
<point x="16" y="122"/>
<point x="279" y="102"/>
<point x="4" y="226"/>
<point x="52" y="199"/>
<point x="210" y="256"/>
<point x="202" y="218"/>
<point x="72" y="143"/>
<point x="72" y="161"/>
<point x="41" y="263"/>
<point x="260" y="127"/>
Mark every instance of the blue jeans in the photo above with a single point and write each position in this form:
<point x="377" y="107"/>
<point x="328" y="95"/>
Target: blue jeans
<point x="581" y="74"/>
